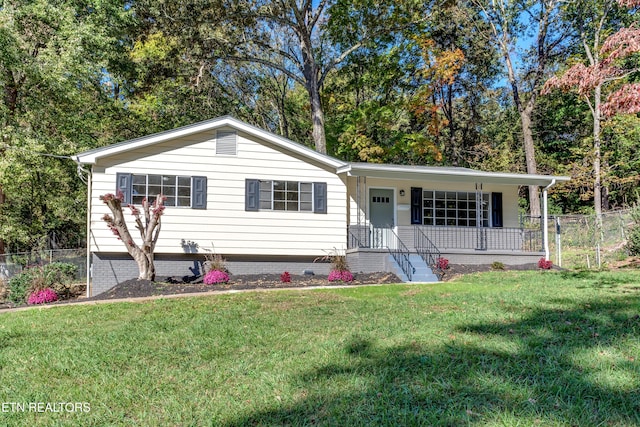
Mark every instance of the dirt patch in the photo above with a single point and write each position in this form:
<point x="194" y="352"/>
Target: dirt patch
<point x="631" y="263"/>
<point x="457" y="270"/>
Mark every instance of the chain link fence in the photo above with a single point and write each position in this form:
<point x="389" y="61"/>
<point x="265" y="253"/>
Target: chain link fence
<point x="576" y="242"/>
<point x="13" y="263"/>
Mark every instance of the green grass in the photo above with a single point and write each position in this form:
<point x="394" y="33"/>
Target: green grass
<point x="500" y="348"/>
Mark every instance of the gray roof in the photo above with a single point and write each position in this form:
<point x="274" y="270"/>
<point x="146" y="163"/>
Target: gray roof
<point x="433" y="173"/>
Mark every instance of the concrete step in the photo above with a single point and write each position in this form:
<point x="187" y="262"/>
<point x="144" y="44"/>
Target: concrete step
<point x="422" y="273"/>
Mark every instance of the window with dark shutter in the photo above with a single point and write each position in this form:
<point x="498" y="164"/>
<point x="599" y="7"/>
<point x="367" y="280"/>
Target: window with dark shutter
<point x="179" y="191"/>
<point x="416" y="205"/>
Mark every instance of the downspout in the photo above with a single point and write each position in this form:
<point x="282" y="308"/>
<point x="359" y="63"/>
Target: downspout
<point x="545" y="219"/>
<point x="88" y="256"/>
<point x="89" y="192"/>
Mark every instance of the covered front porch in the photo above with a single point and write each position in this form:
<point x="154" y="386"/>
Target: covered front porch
<point x="403" y="216"/>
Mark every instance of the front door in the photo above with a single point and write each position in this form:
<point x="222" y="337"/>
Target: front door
<point x="381" y="216"/>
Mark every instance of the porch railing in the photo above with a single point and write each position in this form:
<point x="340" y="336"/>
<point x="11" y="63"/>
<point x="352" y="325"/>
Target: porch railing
<point x="367" y="236"/>
<point x="444" y="238"/>
<point x="400" y="252"/>
<point x="427" y="251"/>
<point x="483" y="238"/>
<point x="359" y="236"/>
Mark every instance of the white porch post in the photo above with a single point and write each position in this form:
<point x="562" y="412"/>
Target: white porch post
<point x="545" y="219"/>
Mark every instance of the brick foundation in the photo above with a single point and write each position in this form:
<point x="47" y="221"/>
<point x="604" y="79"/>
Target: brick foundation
<point x="109" y="269"/>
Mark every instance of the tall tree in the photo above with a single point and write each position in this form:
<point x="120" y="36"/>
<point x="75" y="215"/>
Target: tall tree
<point x="53" y="104"/>
<point x="301" y="39"/>
<point x="609" y="64"/>
<point x="510" y="22"/>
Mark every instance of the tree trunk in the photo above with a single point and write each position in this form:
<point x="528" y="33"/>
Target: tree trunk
<point x="146" y="267"/>
<point x="317" y="116"/>
<point x="3" y="199"/>
<point x="530" y="158"/>
<point x="597" y="182"/>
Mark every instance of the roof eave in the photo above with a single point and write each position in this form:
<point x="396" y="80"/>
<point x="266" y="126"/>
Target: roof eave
<point x="462" y="175"/>
<point x="91" y="157"/>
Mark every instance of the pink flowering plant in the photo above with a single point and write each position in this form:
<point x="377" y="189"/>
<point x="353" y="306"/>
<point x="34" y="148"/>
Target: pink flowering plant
<point x="42" y="296"/>
<point x="442" y="263"/>
<point x="340" y="276"/>
<point x="285" y="277"/>
<point x="339" y="268"/>
<point x="215" y="277"/>
<point x="545" y="264"/>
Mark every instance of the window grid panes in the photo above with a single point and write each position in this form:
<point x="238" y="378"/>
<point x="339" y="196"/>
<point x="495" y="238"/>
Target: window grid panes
<point x="286" y="196"/>
<point x="177" y="189"/>
<point x="453" y="209"/>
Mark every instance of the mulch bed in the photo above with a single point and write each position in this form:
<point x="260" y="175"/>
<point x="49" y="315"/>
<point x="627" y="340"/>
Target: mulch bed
<point x="173" y="285"/>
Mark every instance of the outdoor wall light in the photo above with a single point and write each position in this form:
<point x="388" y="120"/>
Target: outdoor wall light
<point x="401" y="193"/>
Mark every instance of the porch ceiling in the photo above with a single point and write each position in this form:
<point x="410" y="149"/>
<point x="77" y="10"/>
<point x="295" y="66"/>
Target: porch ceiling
<point x="446" y="174"/>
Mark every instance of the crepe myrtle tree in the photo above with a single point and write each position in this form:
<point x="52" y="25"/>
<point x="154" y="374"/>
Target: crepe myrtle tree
<point x="149" y="229"/>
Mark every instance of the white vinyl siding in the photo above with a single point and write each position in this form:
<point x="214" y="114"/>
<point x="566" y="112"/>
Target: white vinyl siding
<point x="225" y="224"/>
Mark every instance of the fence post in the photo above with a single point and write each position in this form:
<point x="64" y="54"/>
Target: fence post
<point x="558" y="242"/>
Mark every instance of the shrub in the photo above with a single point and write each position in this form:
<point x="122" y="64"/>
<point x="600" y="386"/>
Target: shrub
<point x="216" y="276"/>
<point x="42" y="296"/>
<point x="213" y="262"/>
<point x="19" y="286"/>
<point x="633" y="237"/>
<point x="57" y="276"/>
<point x="61" y="271"/>
<point x="497" y="265"/>
<point x="285" y="277"/>
<point x="338" y="260"/>
<point x="340" y="276"/>
<point x="442" y="263"/>
<point x="4" y="288"/>
<point x="545" y="264"/>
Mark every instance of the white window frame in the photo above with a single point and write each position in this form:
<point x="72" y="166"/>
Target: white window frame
<point x="447" y="206"/>
<point x="172" y="200"/>
<point x="269" y="202"/>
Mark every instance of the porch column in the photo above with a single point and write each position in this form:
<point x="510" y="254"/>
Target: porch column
<point x="545" y="219"/>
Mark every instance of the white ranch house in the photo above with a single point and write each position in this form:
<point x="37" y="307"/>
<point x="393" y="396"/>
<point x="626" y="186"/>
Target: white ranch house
<point x="269" y="205"/>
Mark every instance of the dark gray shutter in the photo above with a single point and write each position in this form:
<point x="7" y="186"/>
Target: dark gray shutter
<point x="320" y="197"/>
<point x="251" y="194"/>
<point x="199" y="192"/>
<point x="123" y="184"/>
<point x="416" y="205"/>
<point x="496" y="210"/>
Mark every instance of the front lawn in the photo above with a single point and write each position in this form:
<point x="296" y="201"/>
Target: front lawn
<point x="501" y="348"/>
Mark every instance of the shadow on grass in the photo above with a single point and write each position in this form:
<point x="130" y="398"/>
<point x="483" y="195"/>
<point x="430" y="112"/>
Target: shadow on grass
<point x="595" y="279"/>
<point x="549" y="367"/>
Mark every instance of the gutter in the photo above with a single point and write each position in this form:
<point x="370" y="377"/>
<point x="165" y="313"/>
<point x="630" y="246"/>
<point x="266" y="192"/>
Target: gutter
<point x="545" y="219"/>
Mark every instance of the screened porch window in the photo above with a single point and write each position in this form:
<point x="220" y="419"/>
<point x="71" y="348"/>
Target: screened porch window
<point x="454" y="208"/>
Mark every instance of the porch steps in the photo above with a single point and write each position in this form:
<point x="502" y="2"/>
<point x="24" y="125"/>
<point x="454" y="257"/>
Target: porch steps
<point x="423" y="273"/>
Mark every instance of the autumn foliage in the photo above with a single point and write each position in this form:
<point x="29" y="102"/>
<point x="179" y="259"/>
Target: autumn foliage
<point x="608" y="66"/>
